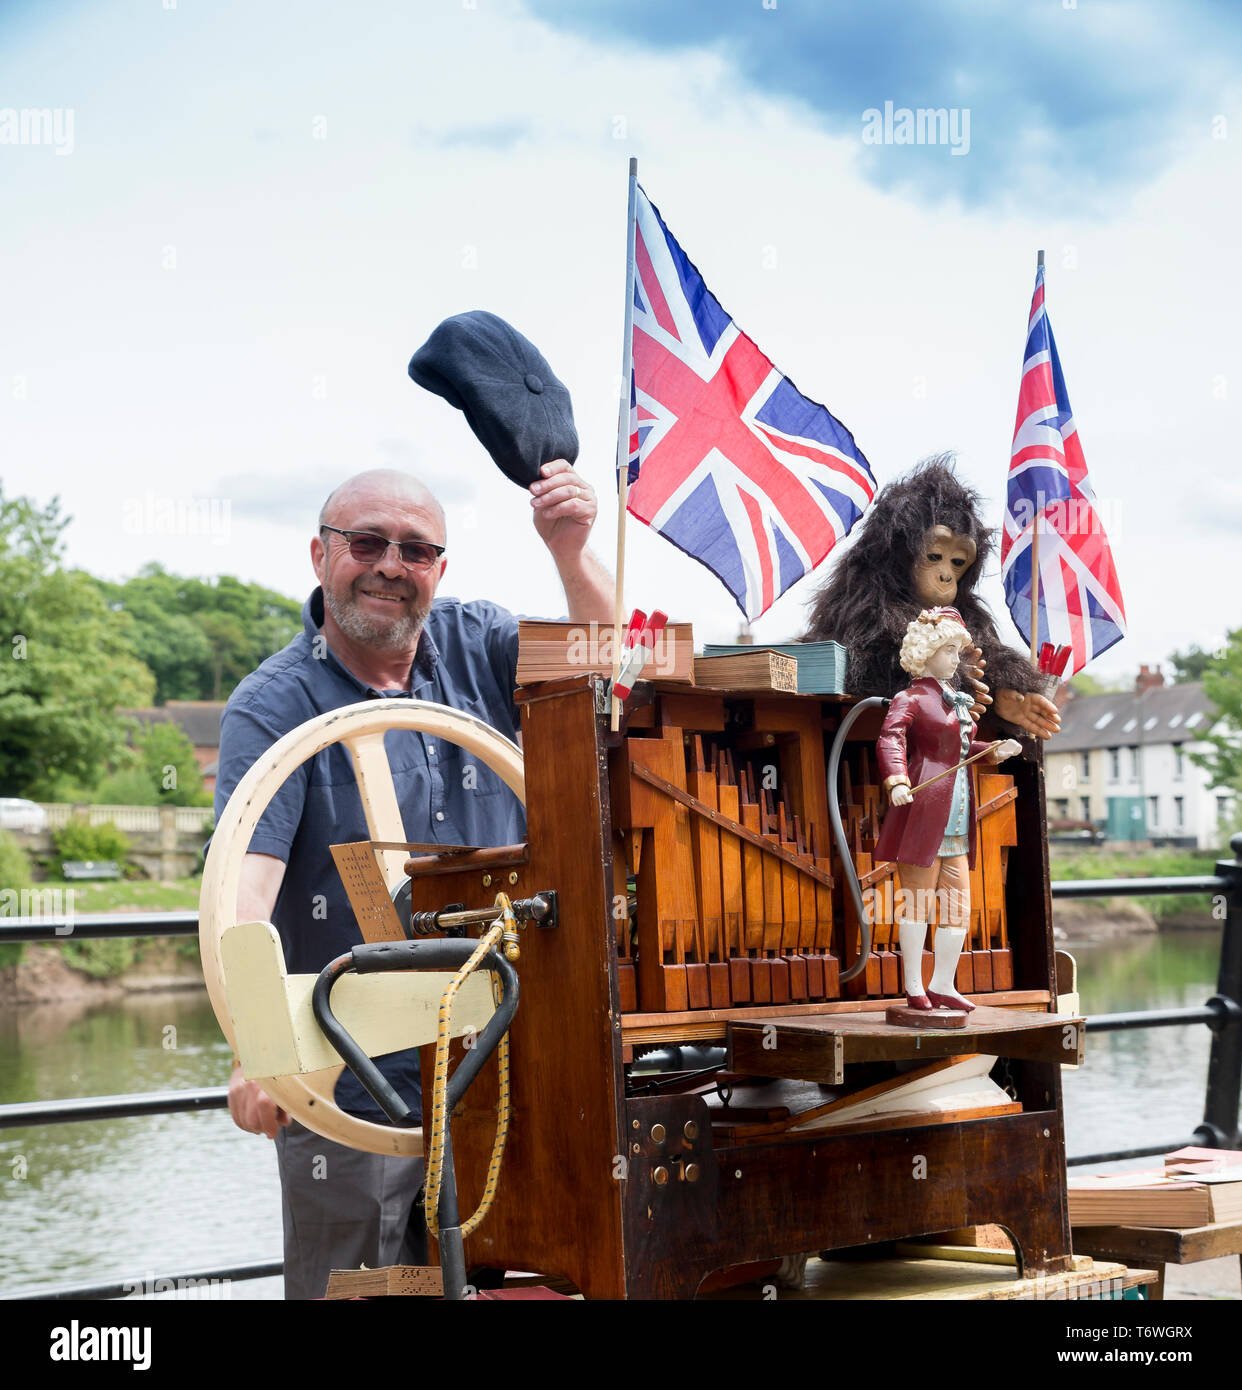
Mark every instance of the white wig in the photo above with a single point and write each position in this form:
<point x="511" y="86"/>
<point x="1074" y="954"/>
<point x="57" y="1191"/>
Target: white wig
<point x="931" y="630"/>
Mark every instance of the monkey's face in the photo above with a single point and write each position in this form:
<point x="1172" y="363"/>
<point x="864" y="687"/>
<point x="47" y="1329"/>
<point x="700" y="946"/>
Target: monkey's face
<point x="945" y="558"/>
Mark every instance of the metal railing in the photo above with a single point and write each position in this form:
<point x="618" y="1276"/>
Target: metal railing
<point x="1222" y="1013"/>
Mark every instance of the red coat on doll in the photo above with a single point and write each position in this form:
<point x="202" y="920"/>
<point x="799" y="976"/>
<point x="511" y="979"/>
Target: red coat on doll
<point x="920" y="737"/>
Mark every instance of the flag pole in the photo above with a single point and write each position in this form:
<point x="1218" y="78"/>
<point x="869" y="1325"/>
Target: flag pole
<point x="1035" y="538"/>
<point x="623" y="435"/>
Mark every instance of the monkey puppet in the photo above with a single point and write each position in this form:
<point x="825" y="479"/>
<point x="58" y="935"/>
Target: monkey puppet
<point x="923" y="544"/>
<point x="930" y="833"/>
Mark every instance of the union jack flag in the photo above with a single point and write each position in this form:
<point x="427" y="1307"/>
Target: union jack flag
<point x="1079" y="601"/>
<point x="727" y="459"/>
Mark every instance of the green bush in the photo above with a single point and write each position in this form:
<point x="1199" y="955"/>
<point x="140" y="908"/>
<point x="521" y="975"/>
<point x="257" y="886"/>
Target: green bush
<point x="1146" y="863"/>
<point x="82" y="840"/>
<point x="14" y="876"/>
<point x="129" y="787"/>
<point x="101" y="959"/>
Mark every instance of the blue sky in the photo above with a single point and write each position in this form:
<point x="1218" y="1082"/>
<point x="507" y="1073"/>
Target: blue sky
<point x="212" y="295"/>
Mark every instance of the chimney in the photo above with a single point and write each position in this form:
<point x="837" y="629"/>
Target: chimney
<point x="1148" y="680"/>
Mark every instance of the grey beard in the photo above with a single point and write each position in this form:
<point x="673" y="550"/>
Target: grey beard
<point x="400" y="635"/>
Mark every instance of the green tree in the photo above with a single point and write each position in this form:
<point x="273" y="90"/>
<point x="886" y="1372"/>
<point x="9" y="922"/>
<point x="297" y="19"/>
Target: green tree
<point x="67" y="660"/>
<point x="1190" y="665"/>
<point x="1085" y="684"/>
<point x="201" y="636"/>
<point x="168" y="762"/>
<point x="1222" y="684"/>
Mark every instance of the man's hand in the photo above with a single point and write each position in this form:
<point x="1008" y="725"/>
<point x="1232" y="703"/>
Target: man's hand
<point x="564" y="506"/>
<point x="1007" y="748"/>
<point x="252" y="1108"/>
<point x="1033" y="713"/>
<point x="901" y="795"/>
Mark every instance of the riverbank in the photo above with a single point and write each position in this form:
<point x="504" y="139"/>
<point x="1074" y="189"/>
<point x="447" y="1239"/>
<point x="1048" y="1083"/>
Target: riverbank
<point x="100" y="970"/>
<point x="1118" y="915"/>
<point x="107" y="968"/>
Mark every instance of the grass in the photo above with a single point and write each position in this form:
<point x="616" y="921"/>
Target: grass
<point x="130" y="895"/>
<point x="1148" y="863"/>
<point x="106" y="958"/>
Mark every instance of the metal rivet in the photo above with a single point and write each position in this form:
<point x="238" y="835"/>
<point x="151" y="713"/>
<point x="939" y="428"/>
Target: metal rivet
<point x="690" y="1129"/>
<point x="1047" y="1134"/>
<point x="692" y="1172"/>
<point x="657" y="1133"/>
<point x="660" y="1176"/>
<point x="636" y="1148"/>
<point x="633" y="1124"/>
<point x="737" y="1172"/>
<point x="487" y="880"/>
<point x="513" y="876"/>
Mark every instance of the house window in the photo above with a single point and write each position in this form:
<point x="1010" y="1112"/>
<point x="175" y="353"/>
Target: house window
<point x="1086" y="807"/>
<point x="1153" y="812"/>
<point x="1062" y="805"/>
<point x="1085" y="774"/>
<point x="1134" y="764"/>
<point x="1114" y="764"/>
<point x="1179" y="811"/>
<point x="1179" y="762"/>
<point x="1222" y="809"/>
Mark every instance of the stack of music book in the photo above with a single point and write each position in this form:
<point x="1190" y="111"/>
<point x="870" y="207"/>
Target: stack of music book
<point x="749" y="668"/>
<point x="1196" y="1187"/>
<point x="549" y="651"/>
<point x="821" y="665"/>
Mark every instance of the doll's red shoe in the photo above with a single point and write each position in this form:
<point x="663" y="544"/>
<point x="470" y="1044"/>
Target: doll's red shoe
<point x="950" y="1001"/>
<point x="918" y="1001"/>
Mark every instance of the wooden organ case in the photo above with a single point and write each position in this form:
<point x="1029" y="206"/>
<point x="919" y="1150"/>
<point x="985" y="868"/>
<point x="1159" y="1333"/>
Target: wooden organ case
<point x="701" y="902"/>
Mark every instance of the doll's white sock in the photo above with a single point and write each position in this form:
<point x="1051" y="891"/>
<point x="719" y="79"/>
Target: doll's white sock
<point x="949" y="942"/>
<point x="911" y="936"/>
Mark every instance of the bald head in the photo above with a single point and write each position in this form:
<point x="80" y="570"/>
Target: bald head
<point x="383" y="492"/>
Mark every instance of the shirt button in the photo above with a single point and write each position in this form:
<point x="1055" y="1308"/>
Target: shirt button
<point x="431" y="750"/>
<point x="439" y="815"/>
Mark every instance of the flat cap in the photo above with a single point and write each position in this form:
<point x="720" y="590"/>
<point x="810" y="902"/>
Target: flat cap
<point x="520" y="412"/>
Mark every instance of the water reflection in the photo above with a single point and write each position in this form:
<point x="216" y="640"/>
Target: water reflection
<point x="136" y="1197"/>
<point x="1146" y="1086"/>
<point x="130" y="1197"/>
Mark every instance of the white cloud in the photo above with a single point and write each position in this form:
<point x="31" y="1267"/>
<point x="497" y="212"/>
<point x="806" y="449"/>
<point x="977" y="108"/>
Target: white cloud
<point x="270" y="359"/>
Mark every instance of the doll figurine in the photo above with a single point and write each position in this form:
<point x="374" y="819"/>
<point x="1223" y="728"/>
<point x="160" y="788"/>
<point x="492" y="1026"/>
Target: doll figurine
<point x="931" y="835"/>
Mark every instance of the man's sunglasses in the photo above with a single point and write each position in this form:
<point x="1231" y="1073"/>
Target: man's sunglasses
<point x="367" y="548"/>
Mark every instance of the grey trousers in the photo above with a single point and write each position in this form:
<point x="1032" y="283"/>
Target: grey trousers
<point x="344" y="1209"/>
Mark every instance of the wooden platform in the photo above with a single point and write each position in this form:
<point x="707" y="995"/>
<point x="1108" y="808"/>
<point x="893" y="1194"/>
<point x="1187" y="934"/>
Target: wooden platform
<point x="818" y="1047"/>
<point x="946" y="1273"/>
<point x="1160" y="1246"/>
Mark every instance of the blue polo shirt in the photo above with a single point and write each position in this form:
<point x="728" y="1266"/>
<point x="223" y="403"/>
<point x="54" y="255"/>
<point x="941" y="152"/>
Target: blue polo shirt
<point x="467" y="659"/>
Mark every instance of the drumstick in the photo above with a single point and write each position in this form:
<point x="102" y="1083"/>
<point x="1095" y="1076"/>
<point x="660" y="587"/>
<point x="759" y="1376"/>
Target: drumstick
<point x="973" y="758"/>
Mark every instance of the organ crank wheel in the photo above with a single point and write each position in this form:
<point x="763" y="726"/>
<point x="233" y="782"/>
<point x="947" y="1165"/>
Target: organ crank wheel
<point x="361" y="727"/>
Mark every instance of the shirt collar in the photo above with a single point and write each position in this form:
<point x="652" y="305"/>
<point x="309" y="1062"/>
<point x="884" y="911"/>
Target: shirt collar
<point x="426" y="657"/>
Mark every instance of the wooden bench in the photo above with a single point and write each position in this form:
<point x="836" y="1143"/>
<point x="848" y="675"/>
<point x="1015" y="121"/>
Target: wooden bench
<point x="90" y="868"/>
<point x="1155" y="1247"/>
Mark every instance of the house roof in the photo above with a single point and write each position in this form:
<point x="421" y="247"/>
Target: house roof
<point x="1166" y="714"/>
<point x="199" y="720"/>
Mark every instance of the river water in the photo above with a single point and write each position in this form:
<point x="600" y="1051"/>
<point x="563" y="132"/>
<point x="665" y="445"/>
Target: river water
<point x="135" y="1198"/>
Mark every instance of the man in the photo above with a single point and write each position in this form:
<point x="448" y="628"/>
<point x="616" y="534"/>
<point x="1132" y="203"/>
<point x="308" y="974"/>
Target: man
<point x="372" y="630"/>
